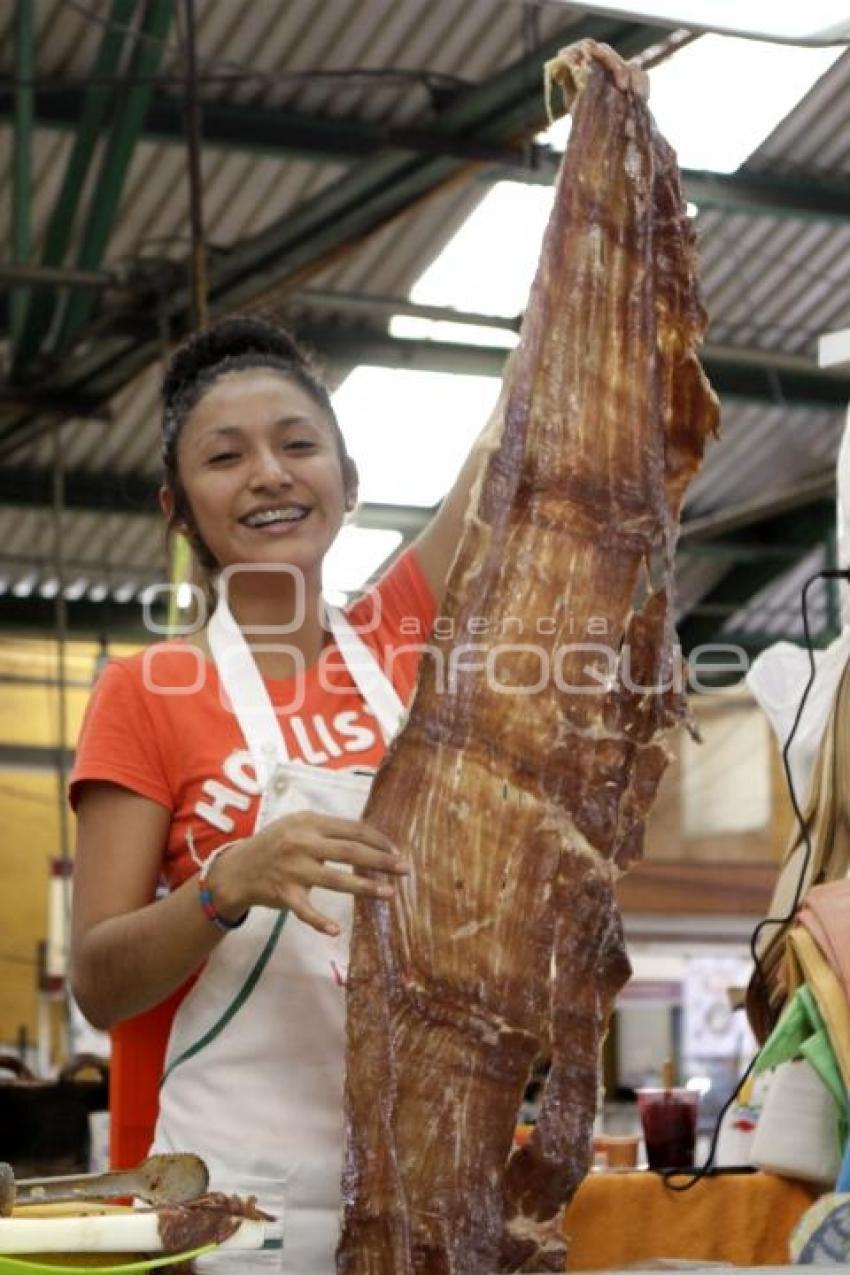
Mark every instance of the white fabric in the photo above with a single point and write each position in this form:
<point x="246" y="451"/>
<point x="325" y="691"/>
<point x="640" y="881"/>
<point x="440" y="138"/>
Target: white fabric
<point x="778" y="678"/>
<point x="262" y="1101"/>
<point x="797" y="1132"/>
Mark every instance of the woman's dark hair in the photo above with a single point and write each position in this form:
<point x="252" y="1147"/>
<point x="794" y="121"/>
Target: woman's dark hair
<point x="232" y="344"/>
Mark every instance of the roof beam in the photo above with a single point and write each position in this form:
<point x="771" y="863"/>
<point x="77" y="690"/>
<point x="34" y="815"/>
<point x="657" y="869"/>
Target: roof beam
<point x="23" y="487"/>
<point x="122" y="621"/>
<point x="90" y="491"/>
<point x="88" y="118"/>
<point x="808" y="494"/>
<point x="22" y="150"/>
<point x="64" y="405"/>
<point x="803" y="527"/>
<point x="131" y="105"/>
<point x="260" y="130"/>
<point x="733" y="373"/>
<point x="370" y="196"/>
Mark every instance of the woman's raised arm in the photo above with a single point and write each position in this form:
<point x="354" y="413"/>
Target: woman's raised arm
<point x="437" y="544"/>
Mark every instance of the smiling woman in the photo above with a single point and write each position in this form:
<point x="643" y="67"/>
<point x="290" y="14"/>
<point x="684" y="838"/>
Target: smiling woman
<point x="273" y="487"/>
<point x="235" y="764"/>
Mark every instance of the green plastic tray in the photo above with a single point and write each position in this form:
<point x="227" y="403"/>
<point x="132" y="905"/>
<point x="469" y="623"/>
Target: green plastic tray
<point x="21" y="1266"/>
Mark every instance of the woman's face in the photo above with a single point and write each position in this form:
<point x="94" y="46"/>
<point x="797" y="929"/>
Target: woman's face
<point x="260" y="466"/>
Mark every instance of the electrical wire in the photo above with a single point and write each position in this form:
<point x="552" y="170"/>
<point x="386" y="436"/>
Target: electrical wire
<point x="437" y="81"/>
<point x="386" y="77"/>
<point x="684" y="1180"/>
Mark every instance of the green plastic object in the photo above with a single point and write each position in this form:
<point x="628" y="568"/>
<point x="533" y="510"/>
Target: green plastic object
<point x="20" y="1265"/>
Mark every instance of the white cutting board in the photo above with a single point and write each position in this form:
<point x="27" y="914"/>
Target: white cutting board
<point x="118" y="1232"/>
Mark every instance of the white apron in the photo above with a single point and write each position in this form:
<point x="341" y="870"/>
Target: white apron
<point x="255" y="1063"/>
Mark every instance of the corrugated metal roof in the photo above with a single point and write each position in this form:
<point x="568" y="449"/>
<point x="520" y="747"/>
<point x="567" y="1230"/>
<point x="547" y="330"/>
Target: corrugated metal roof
<point x="774" y="285"/>
<point x="815" y="136"/>
<point x="777" y="608"/>
<point x="769" y="284"/>
<point x="778" y="285"/>
<point x="764" y="448"/>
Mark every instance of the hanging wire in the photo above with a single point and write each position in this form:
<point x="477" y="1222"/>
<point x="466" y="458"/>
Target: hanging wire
<point x="684" y="1179"/>
<point x="192" y="116"/>
<point x="181" y="560"/>
<point x="433" y="81"/>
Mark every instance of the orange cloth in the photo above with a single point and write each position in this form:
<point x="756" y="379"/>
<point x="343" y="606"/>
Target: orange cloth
<point x="138" y="1054"/>
<point x="186" y="752"/>
<point x="616" y="1219"/>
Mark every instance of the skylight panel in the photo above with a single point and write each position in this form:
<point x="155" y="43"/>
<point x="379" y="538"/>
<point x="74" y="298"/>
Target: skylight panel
<point x="411" y="328"/>
<point x="557" y="134"/>
<point x="355" y="556"/>
<point x="488" y="265"/>
<point x="410" y="431"/>
<point x="716" y="100"/>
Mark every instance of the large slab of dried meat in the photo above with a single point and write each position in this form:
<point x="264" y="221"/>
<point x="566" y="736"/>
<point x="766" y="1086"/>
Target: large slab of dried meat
<point x="521" y="781"/>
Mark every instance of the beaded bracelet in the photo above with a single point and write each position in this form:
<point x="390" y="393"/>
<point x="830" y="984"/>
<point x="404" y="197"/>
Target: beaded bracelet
<point x="205" y="893"/>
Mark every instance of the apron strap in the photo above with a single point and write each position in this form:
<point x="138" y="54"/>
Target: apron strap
<point x="370" y="679"/>
<point x="249" y="698"/>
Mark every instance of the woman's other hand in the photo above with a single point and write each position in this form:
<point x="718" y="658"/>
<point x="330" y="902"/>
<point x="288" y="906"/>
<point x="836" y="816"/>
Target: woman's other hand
<point x="278" y="866"/>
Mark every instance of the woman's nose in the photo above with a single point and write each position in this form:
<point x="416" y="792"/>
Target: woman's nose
<point x="269" y="468"/>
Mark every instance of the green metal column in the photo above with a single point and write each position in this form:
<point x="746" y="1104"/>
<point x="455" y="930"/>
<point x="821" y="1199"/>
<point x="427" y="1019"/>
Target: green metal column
<point x="129" y="116"/>
<point x="22" y="156"/>
<point x="96" y="104"/>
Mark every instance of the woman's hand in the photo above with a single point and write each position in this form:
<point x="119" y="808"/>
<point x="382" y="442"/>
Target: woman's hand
<point x="279" y="865"/>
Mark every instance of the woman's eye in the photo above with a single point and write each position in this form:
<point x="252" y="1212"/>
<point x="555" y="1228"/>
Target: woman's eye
<point x="223" y="456"/>
<point x="300" y="445"/>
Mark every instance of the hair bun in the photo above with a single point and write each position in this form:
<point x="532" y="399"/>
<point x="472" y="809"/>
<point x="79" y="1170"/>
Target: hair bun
<point x="230" y="338"/>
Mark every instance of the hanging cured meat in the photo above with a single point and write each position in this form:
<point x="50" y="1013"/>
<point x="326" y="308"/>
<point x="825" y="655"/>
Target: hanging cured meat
<point x="520" y="784"/>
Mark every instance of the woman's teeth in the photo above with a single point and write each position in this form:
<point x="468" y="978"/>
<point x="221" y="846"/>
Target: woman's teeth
<point x="270" y="516"/>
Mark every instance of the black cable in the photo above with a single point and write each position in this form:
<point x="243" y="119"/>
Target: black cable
<point x="438" y="80"/>
<point x="802" y="823"/>
<point x="692" y="1176"/>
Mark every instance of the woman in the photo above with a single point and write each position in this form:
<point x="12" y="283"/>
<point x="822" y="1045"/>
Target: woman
<point x="236" y="765"/>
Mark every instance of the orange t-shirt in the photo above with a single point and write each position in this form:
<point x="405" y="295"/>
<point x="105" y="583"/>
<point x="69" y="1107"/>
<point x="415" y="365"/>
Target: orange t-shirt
<point x="159" y="724"/>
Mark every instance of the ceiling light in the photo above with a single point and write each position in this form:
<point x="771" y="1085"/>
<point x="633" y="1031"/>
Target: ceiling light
<point x="98" y="592"/>
<point x="124" y="592"/>
<point x="49" y="587"/>
<point x="23" y="588"/>
<point x="76" y="588"/>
